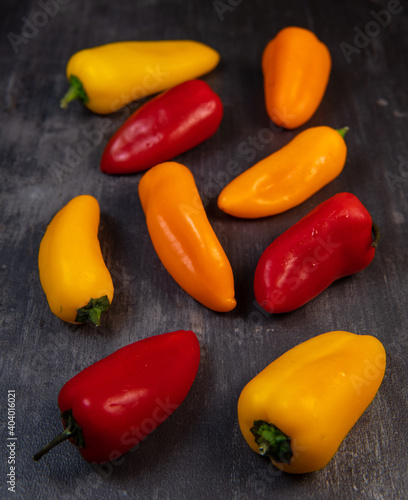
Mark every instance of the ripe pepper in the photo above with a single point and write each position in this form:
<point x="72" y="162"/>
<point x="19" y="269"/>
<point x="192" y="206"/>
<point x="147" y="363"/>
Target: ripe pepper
<point x="296" y="68"/>
<point x="73" y="273"/>
<point x="287" y="177"/>
<point x="112" y="405"/>
<point x="334" y="240"/>
<point x="183" y="237"/>
<point x="107" y="77"/>
<point x="163" y="128"/>
<point x="298" y="410"/>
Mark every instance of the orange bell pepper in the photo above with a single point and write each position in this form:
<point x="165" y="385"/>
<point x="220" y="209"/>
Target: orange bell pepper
<point x="296" y="68"/>
<point x="183" y="237"/>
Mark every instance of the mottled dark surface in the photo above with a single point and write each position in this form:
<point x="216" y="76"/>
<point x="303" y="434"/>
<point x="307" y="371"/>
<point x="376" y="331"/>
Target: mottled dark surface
<point x="199" y="451"/>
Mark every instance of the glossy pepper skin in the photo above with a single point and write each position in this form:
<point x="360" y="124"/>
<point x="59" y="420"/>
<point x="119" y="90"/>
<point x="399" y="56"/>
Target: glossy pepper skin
<point x="107" y="77"/>
<point x="163" y="128"/>
<point x="287" y="177"/>
<point x="112" y="405"/>
<point x="73" y="274"/>
<point x="296" y="68"/>
<point x="299" y="408"/>
<point x="334" y="240"/>
<point x="183" y="237"/>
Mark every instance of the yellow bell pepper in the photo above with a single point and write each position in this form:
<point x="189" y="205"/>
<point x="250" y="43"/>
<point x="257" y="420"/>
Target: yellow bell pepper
<point x="287" y="177"/>
<point x="107" y="77"/>
<point x="183" y="237"/>
<point x="299" y="408"/>
<point x="73" y="273"/>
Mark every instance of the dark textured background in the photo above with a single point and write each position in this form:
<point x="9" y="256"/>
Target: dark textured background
<point x="199" y="451"/>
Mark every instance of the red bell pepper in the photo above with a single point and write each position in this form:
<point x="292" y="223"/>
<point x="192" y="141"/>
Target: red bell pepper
<point x="112" y="405"/>
<point x="163" y="128"/>
<point x="334" y="240"/>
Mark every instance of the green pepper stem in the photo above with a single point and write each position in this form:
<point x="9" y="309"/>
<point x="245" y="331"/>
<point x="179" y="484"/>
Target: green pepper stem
<point x="343" y="131"/>
<point x="72" y="430"/>
<point x="272" y="442"/>
<point x="376" y="233"/>
<point x="76" y="91"/>
<point x="93" y="310"/>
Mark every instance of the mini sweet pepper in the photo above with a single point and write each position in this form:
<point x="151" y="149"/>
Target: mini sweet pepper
<point x="296" y="66"/>
<point x="113" y="404"/>
<point x="287" y="177"/>
<point x="183" y="237"/>
<point x="73" y="274"/>
<point x="107" y="77"/>
<point x="336" y="239"/>
<point x="298" y="410"/>
<point x="161" y="129"/>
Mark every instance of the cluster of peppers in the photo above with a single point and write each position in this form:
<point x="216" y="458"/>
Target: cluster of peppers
<point x="299" y="426"/>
